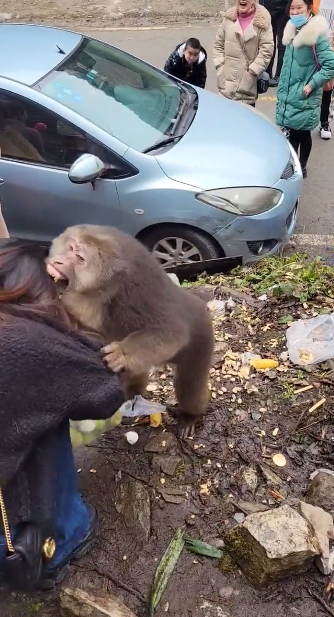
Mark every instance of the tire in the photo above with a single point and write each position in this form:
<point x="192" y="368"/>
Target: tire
<point x="175" y="236"/>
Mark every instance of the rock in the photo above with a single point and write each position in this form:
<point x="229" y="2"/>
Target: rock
<point x="315" y="473"/>
<point x="77" y="603"/>
<point x="227" y="592"/>
<point x="239" y="517"/>
<point x="256" y="416"/>
<point x="167" y="464"/>
<point x="322" y="524"/>
<point x="162" y="443"/>
<point x="5" y="16"/>
<point x="321" y="492"/>
<point x="133" y="502"/>
<point x="270" y="374"/>
<point x="272" y="478"/>
<point x="249" y="479"/>
<point x="269" y="546"/>
<point x="212" y="610"/>
<point x="251" y="506"/>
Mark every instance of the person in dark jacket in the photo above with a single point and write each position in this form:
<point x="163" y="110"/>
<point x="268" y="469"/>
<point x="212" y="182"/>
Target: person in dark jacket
<point x="279" y="13"/>
<point x="50" y="373"/>
<point x="188" y="62"/>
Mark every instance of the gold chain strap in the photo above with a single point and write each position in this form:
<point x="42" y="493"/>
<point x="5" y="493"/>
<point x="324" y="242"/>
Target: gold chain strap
<point x="49" y="546"/>
<point x="5" y="523"/>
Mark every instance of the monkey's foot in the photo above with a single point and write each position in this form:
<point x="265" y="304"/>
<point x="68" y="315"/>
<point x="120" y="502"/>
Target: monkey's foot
<point x="186" y="424"/>
<point x="114" y="357"/>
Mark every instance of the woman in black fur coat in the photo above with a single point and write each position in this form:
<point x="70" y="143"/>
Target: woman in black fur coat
<point x="50" y="373"/>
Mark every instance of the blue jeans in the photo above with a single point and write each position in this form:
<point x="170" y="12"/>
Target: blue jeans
<point x="72" y="520"/>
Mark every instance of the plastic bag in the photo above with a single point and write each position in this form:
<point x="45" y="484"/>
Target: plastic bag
<point x="311" y="341"/>
<point x="87" y="431"/>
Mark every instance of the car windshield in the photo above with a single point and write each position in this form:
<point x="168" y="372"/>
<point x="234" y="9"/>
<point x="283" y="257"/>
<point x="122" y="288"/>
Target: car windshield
<point x="122" y="95"/>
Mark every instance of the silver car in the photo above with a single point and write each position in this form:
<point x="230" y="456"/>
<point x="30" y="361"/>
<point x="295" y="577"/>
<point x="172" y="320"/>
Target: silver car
<point x="91" y="134"/>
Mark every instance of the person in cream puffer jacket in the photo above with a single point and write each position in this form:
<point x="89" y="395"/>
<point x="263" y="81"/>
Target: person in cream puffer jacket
<point x="243" y="49"/>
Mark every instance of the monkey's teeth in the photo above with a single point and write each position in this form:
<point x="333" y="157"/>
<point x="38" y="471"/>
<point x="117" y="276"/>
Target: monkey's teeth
<point x="53" y="273"/>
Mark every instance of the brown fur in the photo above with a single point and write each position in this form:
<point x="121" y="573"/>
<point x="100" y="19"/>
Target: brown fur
<point x="120" y="291"/>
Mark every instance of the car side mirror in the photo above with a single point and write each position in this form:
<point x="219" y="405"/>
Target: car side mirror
<point x="86" y="168"/>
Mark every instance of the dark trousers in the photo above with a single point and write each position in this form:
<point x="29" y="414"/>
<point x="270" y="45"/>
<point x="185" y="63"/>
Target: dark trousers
<point x="278" y="23"/>
<point x="301" y="141"/>
<point x="325" y="105"/>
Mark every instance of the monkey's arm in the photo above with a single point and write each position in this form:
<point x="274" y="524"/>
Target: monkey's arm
<point x="142" y="350"/>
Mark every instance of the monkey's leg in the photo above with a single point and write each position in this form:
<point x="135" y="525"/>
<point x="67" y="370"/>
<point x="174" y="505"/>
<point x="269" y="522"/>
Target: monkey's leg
<point x="191" y="382"/>
<point x="139" y="351"/>
<point x="134" y="385"/>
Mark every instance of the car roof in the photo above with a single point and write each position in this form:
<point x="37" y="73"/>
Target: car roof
<point x="28" y="52"/>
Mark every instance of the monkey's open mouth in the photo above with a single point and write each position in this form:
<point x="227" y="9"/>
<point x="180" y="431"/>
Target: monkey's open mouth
<point x="57" y="276"/>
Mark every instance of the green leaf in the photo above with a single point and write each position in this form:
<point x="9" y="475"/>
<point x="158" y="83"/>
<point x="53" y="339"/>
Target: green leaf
<point x="285" y="319"/>
<point x="165" y="569"/>
<point x="202" y="548"/>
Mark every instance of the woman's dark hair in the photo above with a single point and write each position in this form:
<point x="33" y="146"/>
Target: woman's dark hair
<point x="25" y="286"/>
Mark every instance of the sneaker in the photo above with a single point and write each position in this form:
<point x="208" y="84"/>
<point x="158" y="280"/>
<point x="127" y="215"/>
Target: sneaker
<point x="273" y="83"/>
<point x="56" y="576"/>
<point x="325" y="131"/>
<point x="304" y="170"/>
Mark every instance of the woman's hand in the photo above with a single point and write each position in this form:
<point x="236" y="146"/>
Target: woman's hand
<point x="307" y="90"/>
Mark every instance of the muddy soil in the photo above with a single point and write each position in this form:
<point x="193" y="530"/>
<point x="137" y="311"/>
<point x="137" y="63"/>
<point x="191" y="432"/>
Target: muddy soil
<point x="74" y="14"/>
<point x="145" y="492"/>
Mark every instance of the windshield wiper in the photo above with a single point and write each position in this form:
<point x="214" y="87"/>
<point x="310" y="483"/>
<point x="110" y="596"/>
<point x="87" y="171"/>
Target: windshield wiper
<point x="163" y="142"/>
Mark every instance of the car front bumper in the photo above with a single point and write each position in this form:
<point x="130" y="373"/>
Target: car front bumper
<point x="263" y="235"/>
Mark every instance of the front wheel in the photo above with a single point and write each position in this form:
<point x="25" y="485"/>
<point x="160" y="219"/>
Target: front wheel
<point x="174" y="245"/>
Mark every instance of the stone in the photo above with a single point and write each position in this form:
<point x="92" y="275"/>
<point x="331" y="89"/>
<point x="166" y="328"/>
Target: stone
<point x="227" y="592"/>
<point x="321" y="492"/>
<point x="133" y="502"/>
<point x="249" y="479"/>
<point x="239" y="517"/>
<point x="251" y="506"/>
<point x="322" y="524"/>
<point x="77" y="603"/>
<point x="162" y="443"/>
<point x="167" y="464"/>
<point x="271" y="545"/>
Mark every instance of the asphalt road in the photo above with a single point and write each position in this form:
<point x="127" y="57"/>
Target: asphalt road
<point x="315" y="227"/>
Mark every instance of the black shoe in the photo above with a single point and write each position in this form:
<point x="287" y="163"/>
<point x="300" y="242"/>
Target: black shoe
<point x="304" y="170"/>
<point x="273" y="83"/>
<point x="56" y="576"/>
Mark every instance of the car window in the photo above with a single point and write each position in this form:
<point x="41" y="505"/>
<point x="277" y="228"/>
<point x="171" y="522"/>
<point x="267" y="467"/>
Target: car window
<point x="122" y="95"/>
<point x="32" y="134"/>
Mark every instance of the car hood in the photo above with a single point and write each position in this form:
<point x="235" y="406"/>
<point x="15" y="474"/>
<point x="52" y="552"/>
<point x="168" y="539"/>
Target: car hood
<point x="228" y="144"/>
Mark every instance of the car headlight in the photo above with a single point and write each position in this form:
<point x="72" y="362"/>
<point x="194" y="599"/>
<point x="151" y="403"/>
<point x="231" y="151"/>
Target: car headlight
<point x="242" y="201"/>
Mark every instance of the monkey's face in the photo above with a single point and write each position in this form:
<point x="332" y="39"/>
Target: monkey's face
<point x="81" y="260"/>
<point x="71" y="263"/>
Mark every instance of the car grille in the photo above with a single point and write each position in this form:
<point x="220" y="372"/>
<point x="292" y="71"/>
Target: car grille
<point x="287" y="172"/>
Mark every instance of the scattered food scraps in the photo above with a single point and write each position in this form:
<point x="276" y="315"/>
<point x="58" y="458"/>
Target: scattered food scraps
<point x="155" y="420"/>
<point x="132" y="437"/>
<point x="279" y="460"/>
<point x="263" y="364"/>
<point x="317" y="405"/>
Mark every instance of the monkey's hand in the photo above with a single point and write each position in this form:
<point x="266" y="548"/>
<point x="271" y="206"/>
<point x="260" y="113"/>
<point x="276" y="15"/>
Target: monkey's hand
<point x="115" y="357"/>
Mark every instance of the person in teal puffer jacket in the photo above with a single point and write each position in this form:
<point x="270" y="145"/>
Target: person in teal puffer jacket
<point x="307" y="66"/>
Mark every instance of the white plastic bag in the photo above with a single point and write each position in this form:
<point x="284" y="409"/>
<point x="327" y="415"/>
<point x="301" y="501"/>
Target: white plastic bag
<point x="311" y="341"/>
<point x="86" y="431"/>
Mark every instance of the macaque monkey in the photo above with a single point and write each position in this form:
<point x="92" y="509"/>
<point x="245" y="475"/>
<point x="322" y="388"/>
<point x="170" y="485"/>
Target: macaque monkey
<point x="110" y="283"/>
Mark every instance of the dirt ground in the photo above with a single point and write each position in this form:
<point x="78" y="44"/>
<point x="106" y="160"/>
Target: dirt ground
<point x="146" y="491"/>
<point x="78" y="14"/>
